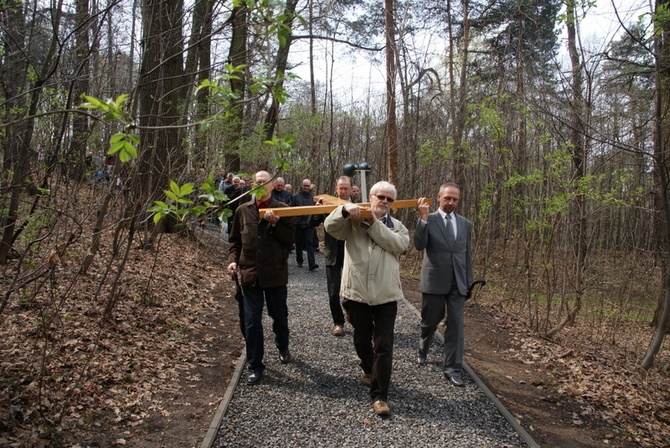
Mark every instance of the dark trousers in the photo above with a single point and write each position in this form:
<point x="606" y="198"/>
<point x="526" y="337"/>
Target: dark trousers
<point x="304" y="237"/>
<point x="275" y="298"/>
<point x="333" y="280"/>
<point x="373" y="340"/>
<point x="432" y="312"/>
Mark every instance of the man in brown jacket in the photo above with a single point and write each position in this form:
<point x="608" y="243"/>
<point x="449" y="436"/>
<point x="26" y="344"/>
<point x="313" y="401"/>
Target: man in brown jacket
<point x="259" y="251"/>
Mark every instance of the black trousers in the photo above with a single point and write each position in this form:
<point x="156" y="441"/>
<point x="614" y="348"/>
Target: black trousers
<point x="373" y="339"/>
<point x="304" y="237"/>
<point x="333" y="281"/>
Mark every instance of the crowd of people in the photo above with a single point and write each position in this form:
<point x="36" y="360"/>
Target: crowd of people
<point x="362" y="246"/>
<point x="101" y="168"/>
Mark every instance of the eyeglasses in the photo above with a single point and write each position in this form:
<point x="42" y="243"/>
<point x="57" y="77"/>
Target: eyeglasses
<point x="381" y="197"/>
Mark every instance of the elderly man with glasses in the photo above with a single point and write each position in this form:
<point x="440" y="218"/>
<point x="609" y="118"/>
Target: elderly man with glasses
<point x="279" y="192"/>
<point x="371" y="283"/>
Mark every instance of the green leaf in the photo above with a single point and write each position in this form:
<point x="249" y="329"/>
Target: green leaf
<point x="120" y="100"/>
<point x="93" y="103"/>
<point x="117" y="137"/>
<point x="130" y="150"/>
<point x="114" y="148"/>
<point x="174" y="188"/>
<point x="186" y="189"/>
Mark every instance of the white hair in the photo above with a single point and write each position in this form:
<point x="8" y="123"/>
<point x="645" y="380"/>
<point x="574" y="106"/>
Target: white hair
<point x="382" y="185"/>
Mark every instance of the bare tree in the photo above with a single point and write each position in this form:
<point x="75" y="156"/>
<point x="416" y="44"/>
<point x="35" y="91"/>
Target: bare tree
<point x="662" y="139"/>
<point x="392" y="121"/>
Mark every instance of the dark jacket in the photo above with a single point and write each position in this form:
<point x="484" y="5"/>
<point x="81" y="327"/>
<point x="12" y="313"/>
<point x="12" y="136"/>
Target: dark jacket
<point x="283" y="196"/>
<point x="301" y="199"/>
<point x="231" y="193"/>
<point x="331" y="245"/>
<point x="259" y="249"/>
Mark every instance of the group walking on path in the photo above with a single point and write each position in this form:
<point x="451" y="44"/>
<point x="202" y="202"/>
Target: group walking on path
<point x="317" y="399"/>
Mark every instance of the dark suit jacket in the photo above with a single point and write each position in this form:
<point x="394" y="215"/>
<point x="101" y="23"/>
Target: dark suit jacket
<point x="259" y="249"/>
<point x="444" y="263"/>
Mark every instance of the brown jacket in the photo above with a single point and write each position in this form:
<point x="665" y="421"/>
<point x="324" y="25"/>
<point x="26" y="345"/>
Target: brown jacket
<point x="259" y="249"/>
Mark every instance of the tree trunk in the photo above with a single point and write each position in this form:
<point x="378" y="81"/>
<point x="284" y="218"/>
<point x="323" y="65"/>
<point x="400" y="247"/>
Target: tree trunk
<point x="198" y="68"/>
<point x="662" y="171"/>
<point x="579" y="154"/>
<point x="18" y="154"/>
<point x="238" y="57"/>
<point x="162" y="95"/>
<point x="281" y="63"/>
<point x="461" y="107"/>
<point x="14" y="83"/>
<point x="391" y="121"/>
<point x="76" y="156"/>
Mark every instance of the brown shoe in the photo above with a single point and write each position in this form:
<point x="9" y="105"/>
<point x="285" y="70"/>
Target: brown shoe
<point x="366" y="379"/>
<point x="381" y="407"/>
<point x="338" y="330"/>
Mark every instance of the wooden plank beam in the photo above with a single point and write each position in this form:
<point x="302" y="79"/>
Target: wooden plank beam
<point x="327" y="208"/>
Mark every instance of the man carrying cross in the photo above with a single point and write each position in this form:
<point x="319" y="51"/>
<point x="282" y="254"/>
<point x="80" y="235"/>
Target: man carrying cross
<point x="371" y="283"/>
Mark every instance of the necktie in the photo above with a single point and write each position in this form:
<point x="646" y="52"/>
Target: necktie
<point x="383" y="219"/>
<point x="450" y="228"/>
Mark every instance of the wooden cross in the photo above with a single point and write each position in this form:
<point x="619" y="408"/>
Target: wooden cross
<point x="330" y="203"/>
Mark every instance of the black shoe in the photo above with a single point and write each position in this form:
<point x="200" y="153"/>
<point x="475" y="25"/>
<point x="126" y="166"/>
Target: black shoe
<point x="455" y="379"/>
<point x="254" y="378"/>
<point x="285" y="357"/>
<point x="421" y="358"/>
<point x="314" y="266"/>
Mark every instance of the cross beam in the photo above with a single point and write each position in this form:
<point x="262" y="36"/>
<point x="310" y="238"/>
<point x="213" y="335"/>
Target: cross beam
<point x="330" y="203"/>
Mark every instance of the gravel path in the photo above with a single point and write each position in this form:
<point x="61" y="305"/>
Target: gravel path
<point x="317" y="400"/>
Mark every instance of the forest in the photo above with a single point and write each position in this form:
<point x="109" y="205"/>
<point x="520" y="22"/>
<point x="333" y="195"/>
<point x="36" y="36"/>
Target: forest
<point x="116" y="116"/>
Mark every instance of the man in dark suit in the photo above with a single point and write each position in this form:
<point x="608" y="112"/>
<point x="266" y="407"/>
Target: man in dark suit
<point x="304" y="233"/>
<point x="445" y="275"/>
<point x="259" y="250"/>
<point x="334" y="256"/>
<point x="280" y="194"/>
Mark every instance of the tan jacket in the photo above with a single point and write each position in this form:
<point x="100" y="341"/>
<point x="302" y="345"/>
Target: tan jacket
<point x="371" y="271"/>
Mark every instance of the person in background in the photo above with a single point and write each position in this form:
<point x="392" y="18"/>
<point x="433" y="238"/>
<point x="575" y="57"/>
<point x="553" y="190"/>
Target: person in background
<point x="280" y="193"/>
<point x="258" y="251"/>
<point x="371" y="283"/>
<point x="227" y="182"/>
<point x="446" y="274"/>
<point x="356" y="194"/>
<point x="289" y="188"/>
<point x="315" y="239"/>
<point x="232" y="192"/>
<point x="219" y="177"/>
<point x="304" y="233"/>
<point x="333" y="252"/>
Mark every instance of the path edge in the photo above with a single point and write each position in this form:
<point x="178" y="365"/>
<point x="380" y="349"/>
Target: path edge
<point x="213" y="430"/>
<point x="489" y="393"/>
<point x="214" y="426"/>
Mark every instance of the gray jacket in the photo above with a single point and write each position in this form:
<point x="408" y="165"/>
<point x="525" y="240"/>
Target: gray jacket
<point x="444" y="263"/>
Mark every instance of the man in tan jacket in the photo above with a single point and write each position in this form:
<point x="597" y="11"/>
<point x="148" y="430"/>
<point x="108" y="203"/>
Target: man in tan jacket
<point x="371" y="283"/>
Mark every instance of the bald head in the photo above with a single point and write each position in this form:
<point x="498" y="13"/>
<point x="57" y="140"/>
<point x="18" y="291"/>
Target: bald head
<point x="263" y="178"/>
